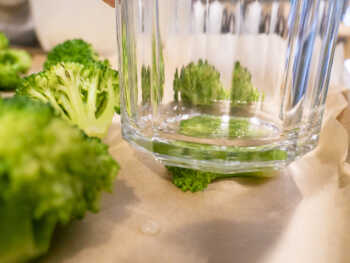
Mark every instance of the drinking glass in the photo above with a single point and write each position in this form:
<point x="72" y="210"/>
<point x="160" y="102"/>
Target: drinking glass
<point x="226" y="85"/>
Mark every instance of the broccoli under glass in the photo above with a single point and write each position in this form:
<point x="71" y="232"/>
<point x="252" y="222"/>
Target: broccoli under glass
<point x="225" y="86"/>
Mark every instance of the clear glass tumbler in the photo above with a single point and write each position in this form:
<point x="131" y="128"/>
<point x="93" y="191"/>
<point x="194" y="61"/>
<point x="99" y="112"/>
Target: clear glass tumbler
<point x="225" y="85"/>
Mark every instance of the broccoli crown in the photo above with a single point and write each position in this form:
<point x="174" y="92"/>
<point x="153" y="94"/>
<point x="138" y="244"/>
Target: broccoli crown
<point x="12" y="63"/>
<point x="198" y="84"/>
<point x="9" y="78"/>
<point x="85" y="95"/>
<point x="19" y="60"/>
<point x="76" y="50"/>
<point x="243" y="91"/>
<point x="195" y="180"/>
<point x="4" y="42"/>
<point x="50" y="173"/>
<point x="210" y="126"/>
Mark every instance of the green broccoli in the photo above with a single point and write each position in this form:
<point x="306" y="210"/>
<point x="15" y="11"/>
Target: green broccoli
<point x="19" y="60"/>
<point x="195" y="180"/>
<point x="76" y="50"/>
<point x="4" y="42"/>
<point x="85" y="95"/>
<point x="50" y="174"/>
<point x="243" y="92"/>
<point x="9" y="78"/>
<point x="13" y="63"/>
<point x="198" y="84"/>
<point x="209" y="126"/>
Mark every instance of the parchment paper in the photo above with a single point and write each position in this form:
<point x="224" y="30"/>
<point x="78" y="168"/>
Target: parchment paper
<point x="302" y="215"/>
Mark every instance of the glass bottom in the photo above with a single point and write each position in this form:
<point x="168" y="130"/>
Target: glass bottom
<point x="220" y="144"/>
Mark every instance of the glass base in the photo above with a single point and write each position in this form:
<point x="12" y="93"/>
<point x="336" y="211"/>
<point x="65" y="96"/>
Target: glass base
<point x="221" y="159"/>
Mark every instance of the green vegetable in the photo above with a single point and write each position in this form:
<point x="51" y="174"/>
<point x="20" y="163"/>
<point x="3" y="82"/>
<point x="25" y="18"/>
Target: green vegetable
<point x="85" y="95"/>
<point x="195" y="180"/>
<point x="19" y="60"/>
<point x="206" y="126"/>
<point x="13" y="63"/>
<point x="243" y="90"/>
<point x="75" y="50"/>
<point x="207" y="152"/>
<point x="50" y="173"/>
<point x="9" y="78"/>
<point x="198" y="84"/>
<point x="4" y="42"/>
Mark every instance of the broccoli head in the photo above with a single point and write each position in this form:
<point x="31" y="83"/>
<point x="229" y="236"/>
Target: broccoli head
<point x="50" y="173"/>
<point x="75" y="50"/>
<point x="13" y="62"/>
<point x="19" y="60"/>
<point x="9" y="78"/>
<point x="85" y="95"/>
<point x="243" y="90"/>
<point x="198" y="84"/>
<point x="195" y="180"/>
<point x="4" y="42"/>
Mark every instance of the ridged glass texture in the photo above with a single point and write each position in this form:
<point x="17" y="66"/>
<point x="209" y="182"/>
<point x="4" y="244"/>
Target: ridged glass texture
<point x="225" y="85"/>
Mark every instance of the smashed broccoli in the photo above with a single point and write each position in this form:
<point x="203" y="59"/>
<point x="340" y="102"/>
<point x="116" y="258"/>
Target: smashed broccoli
<point x="50" y="173"/>
<point x="198" y="84"/>
<point x="4" y="42"/>
<point x="13" y="63"/>
<point x="209" y="126"/>
<point x="195" y="180"/>
<point x="243" y="90"/>
<point x="76" y="50"/>
<point x="85" y="95"/>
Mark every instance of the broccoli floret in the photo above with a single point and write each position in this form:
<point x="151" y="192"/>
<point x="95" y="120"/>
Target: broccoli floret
<point x="4" y="42"/>
<point x="13" y="62"/>
<point x="198" y="84"/>
<point x="195" y="180"/>
<point x="209" y="126"/>
<point x="85" y="95"/>
<point x="17" y="59"/>
<point x="50" y="173"/>
<point x="75" y="50"/>
<point x="9" y="78"/>
<point x="243" y="90"/>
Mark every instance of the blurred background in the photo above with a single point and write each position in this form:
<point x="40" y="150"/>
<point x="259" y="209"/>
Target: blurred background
<point x="46" y="23"/>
